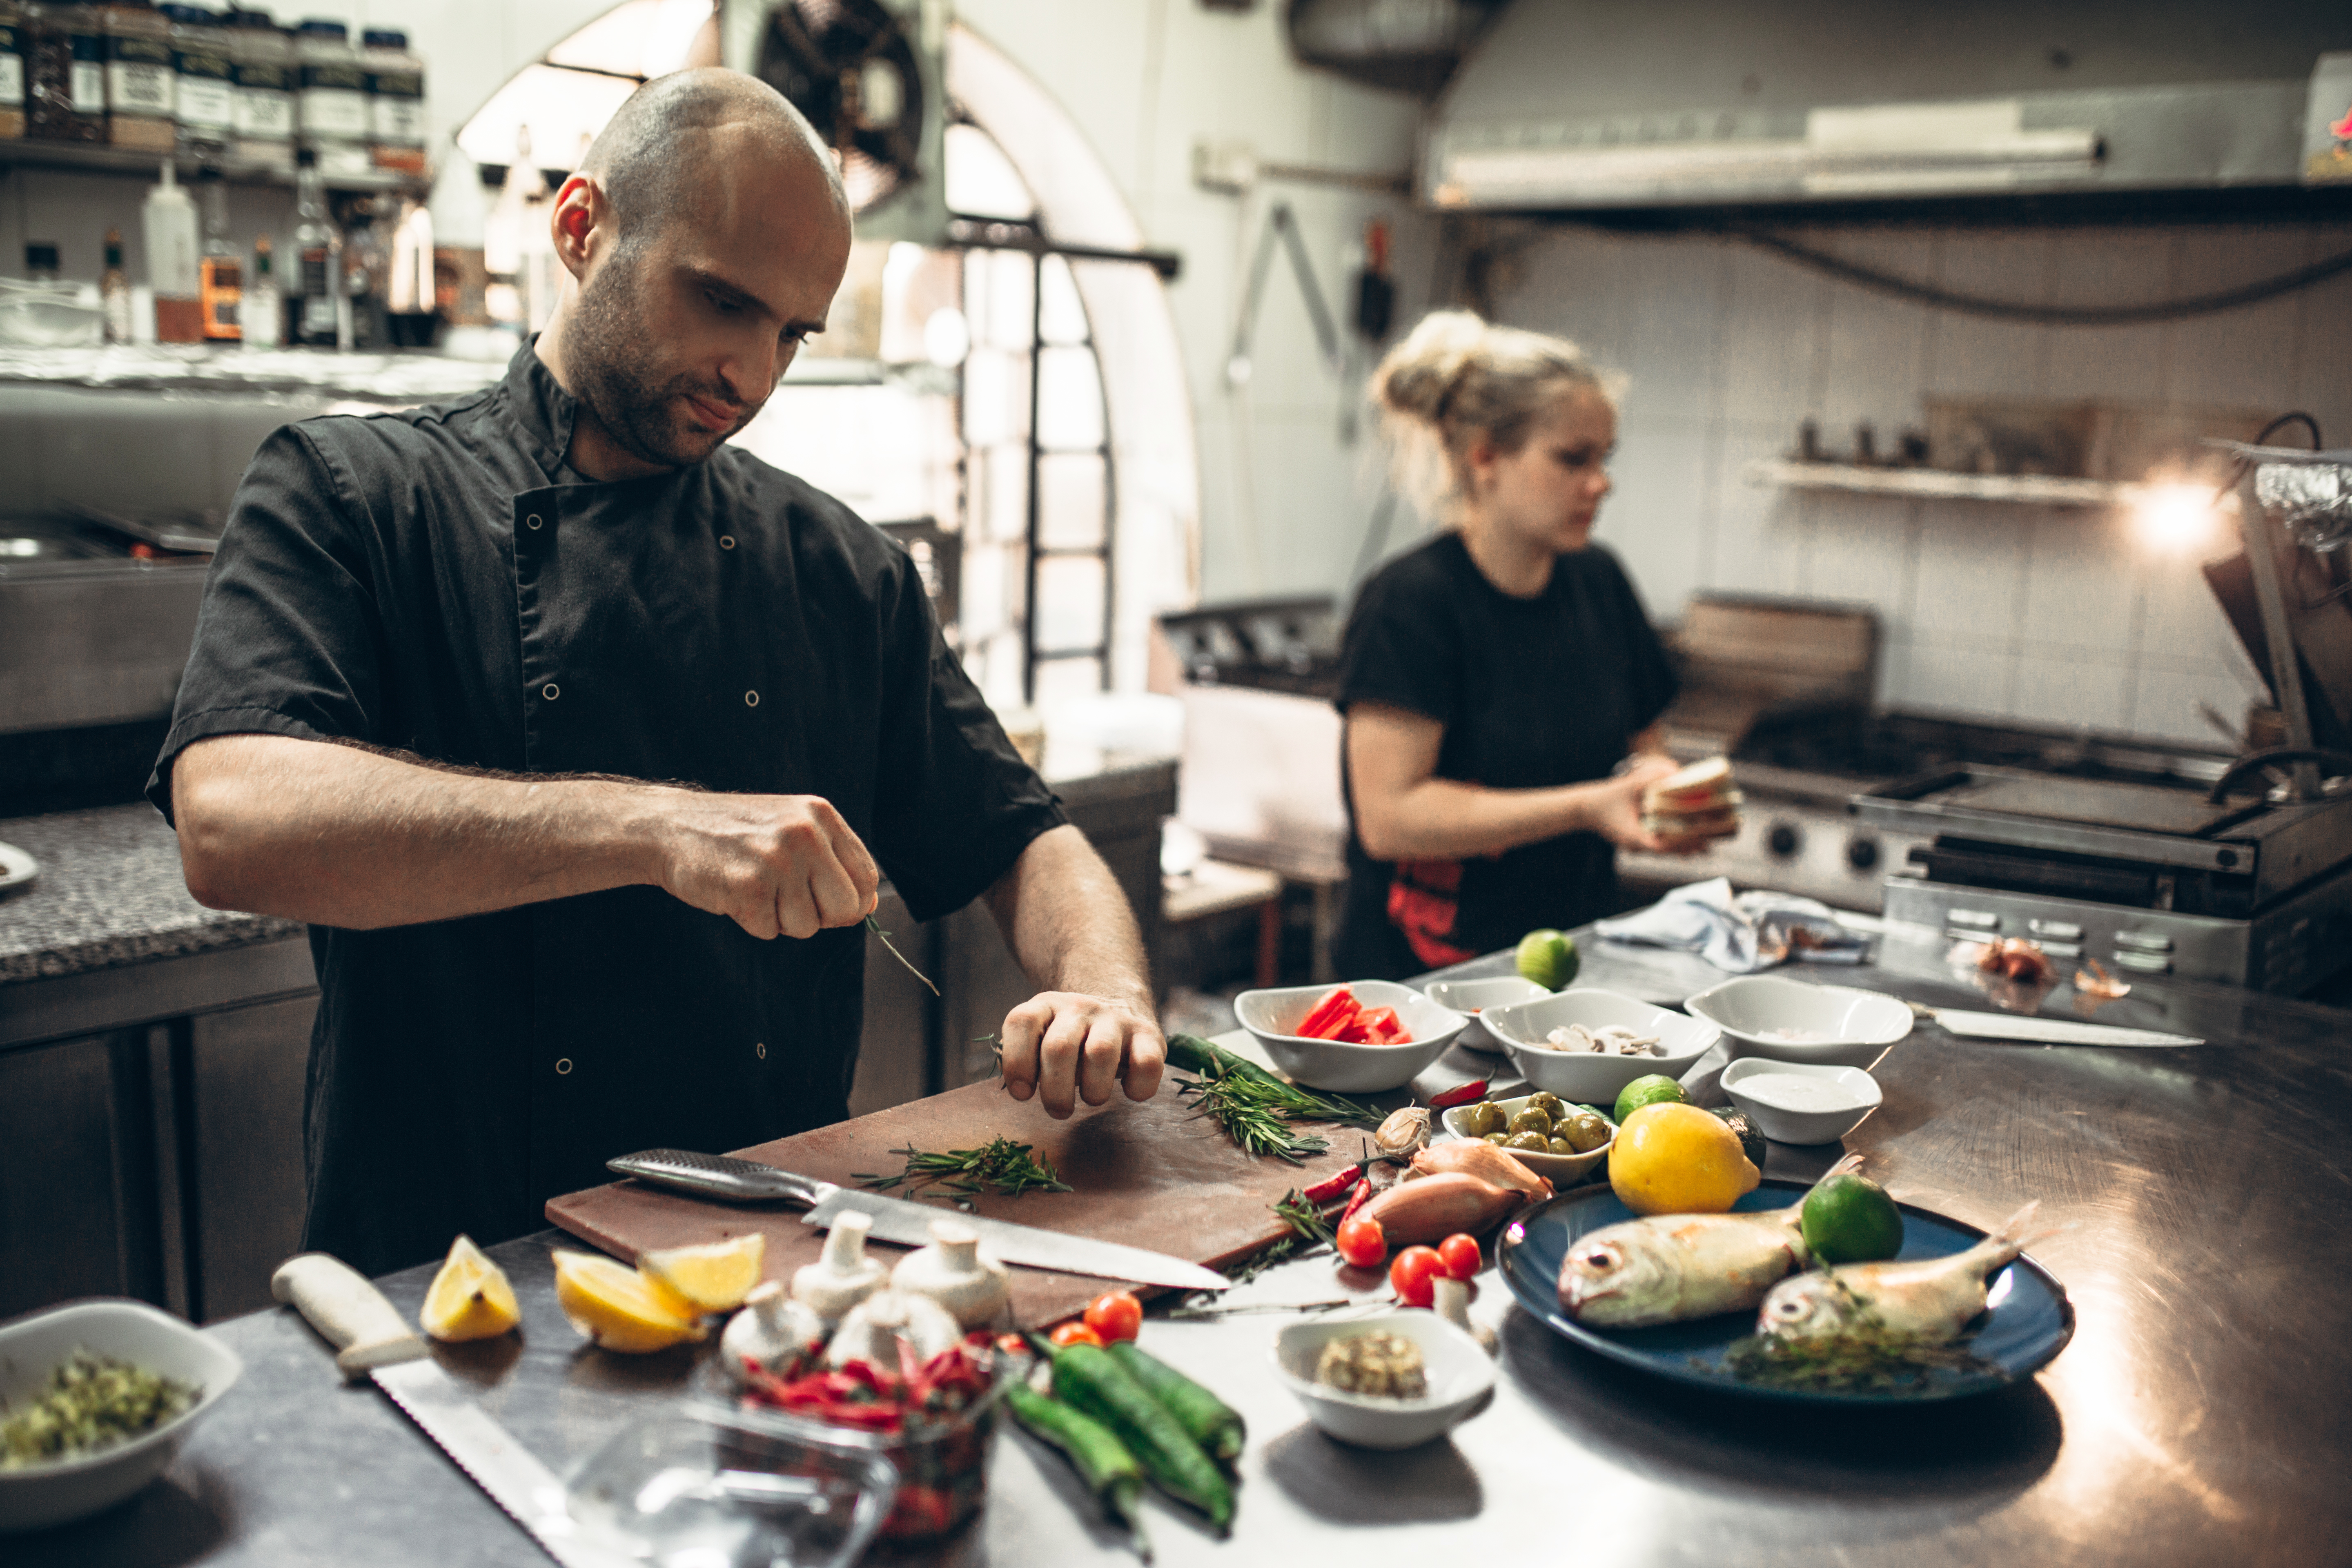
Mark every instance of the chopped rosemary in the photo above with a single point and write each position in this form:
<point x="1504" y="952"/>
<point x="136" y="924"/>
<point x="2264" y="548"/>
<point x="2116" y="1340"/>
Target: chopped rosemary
<point x="1866" y="1357"/>
<point x="90" y="1402"/>
<point x="876" y="926"/>
<point x="1258" y="1112"/>
<point x="1309" y="1233"/>
<point x="1000" y="1165"/>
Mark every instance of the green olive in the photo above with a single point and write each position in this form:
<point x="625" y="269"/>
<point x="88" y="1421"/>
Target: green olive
<point x="1584" y="1131"/>
<point x="1543" y="1099"/>
<point x="1563" y="1146"/>
<point x="1498" y="1140"/>
<point x="1532" y="1120"/>
<point x="1481" y="1119"/>
<point x="1533" y="1142"/>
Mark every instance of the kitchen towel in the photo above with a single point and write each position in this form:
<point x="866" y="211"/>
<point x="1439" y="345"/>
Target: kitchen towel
<point x="1739" y="934"/>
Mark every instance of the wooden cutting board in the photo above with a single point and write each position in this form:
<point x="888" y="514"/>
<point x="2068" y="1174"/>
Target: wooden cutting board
<point x="1154" y="1174"/>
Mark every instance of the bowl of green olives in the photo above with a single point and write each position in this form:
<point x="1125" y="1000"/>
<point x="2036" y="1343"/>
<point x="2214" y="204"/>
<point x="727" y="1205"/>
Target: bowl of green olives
<point x="1557" y="1139"/>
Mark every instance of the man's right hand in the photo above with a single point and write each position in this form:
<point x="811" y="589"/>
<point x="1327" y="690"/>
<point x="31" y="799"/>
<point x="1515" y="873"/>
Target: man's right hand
<point x="776" y="865"/>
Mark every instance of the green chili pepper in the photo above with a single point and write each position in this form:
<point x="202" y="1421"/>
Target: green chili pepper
<point x="1215" y="1426"/>
<point x="1086" y="1378"/>
<point x="1095" y="1451"/>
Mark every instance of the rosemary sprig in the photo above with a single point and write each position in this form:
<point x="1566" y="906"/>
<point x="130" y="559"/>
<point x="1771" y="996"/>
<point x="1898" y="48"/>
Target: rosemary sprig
<point x="1257" y="1112"/>
<point x="1000" y="1165"/>
<point x="1309" y="1233"/>
<point x="876" y="926"/>
<point x="1865" y="1357"/>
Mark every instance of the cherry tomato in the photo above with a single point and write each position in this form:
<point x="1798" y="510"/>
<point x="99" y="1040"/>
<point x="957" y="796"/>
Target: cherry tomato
<point x="1460" y="1254"/>
<point x="1077" y="1334"/>
<point x="1414" y="1274"/>
<point x="1012" y="1344"/>
<point x="1361" y="1241"/>
<point x="1115" y="1315"/>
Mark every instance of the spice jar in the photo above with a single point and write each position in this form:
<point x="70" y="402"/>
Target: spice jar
<point x="139" y="79"/>
<point x="204" y="79"/>
<point x="334" y="104"/>
<point x="12" y="72"/>
<point x="395" y="102"/>
<point x="264" y="57"/>
<point x="64" y="89"/>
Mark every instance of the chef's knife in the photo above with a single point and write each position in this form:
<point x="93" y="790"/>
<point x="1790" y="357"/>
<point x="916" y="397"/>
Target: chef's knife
<point x="370" y="1337"/>
<point x="2046" y="1031"/>
<point x="896" y="1219"/>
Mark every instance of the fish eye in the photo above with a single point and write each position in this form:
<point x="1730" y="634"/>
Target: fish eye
<point x="1599" y="1258"/>
<point x="1789" y="1309"/>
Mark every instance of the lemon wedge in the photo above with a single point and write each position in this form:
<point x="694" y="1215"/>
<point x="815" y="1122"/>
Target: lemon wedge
<point x="470" y="1297"/>
<point x="618" y="1308"/>
<point x="712" y="1277"/>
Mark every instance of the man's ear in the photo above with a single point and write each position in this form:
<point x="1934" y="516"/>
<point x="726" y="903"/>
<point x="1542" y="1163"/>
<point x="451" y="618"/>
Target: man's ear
<point x="581" y="224"/>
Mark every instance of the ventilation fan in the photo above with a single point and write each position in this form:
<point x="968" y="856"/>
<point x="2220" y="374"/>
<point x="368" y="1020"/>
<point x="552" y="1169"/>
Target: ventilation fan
<point x="867" y="73"/>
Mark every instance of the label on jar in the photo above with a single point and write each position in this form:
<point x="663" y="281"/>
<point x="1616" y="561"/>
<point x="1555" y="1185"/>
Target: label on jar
<point x="12" y="68"/>
<point x="265" y="101"/>
<point x="89" y="80"/>
<point x="334" y="101"/>
<point x="139" y="77"/>
<point x="396" y="103"/>
<point x="207" y="91"/>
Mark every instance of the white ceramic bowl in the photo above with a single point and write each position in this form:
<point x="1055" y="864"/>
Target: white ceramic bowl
<point x="1786" y="1125"/>
<point x="1270" y="1015"/>
<point x="35" y="1346"/>
<point x="1585" y="1076"/>
<point x="1559" y="1169"/>
<point x="1847" y="1028"/>
<point x="1460" y="1375"/>
<point x="1472" y="997"/>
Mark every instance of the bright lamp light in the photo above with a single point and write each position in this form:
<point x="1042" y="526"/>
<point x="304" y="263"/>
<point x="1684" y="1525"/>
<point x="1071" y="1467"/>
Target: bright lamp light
<point x="2174" y="517"/>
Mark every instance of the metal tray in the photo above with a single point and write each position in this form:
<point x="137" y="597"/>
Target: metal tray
<point x="2115" y="818"/>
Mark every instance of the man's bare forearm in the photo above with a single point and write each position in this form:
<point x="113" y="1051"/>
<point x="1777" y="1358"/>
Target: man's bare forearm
<point x="1066" y="920"/>
<point x="339" y="835"/>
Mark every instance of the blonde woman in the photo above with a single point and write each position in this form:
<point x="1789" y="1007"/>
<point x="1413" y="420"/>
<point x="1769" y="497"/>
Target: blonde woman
<point x="1501" y="684"/>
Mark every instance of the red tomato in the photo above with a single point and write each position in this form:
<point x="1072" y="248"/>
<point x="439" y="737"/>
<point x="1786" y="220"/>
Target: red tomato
<point x="1361" y="1242"/>
<point x="1077" y="1334"/>
<point x="1012" y="1344"/>
<point x="1412" y="1274"/>
<point x="1460" y="1255"/>
<point x="1115" y="1315"/>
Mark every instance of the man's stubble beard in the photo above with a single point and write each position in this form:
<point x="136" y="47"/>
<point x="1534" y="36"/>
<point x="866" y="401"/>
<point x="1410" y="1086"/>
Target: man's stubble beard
<point x="607" y="342"/>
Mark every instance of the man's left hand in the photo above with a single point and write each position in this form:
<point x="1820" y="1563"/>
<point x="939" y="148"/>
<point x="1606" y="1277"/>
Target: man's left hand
<point x="1064" y="1046"/>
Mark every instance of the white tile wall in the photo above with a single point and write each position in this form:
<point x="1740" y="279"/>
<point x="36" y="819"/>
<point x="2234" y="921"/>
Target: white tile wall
<point x="2055" y="616"/>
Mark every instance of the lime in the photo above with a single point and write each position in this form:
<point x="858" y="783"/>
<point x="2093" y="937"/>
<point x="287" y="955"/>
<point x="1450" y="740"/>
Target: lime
<point x="1548" y="958"/>
<point x="1677" y="1159"/>
<point x="1849" y="1219"/>
<point x="1650" y="1088"/>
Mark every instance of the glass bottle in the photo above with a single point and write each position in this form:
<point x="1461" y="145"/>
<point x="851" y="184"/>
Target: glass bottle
<point x="321" y="313"/>
<point x="265" y="308"/>
<point x="66" y="89"/>
<point x="13" y="40"/>
<point x="140" y="78"/>
<point x="114" y="291"/>
<point x="220" y="271"/>
<point x="173" y="259"/>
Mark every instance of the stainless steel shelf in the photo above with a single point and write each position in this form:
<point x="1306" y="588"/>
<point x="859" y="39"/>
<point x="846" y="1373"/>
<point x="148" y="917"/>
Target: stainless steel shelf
<point x="88" y="157"/>
<point x="1935" y="484"/>
<point x="387" y="378"/>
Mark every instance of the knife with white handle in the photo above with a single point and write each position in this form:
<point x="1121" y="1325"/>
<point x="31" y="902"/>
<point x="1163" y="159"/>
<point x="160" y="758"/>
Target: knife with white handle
<point x="2046" y="1031"/>
<point x="909" y="1223"/>
<point x="371" y="1339"/>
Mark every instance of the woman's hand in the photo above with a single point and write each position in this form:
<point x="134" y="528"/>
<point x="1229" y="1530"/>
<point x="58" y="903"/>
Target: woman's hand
<point x="1615" y="805"/>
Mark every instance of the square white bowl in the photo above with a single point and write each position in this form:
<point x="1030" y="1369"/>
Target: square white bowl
<point x="35" y="1346"/>
<point x="1270" y="1017"/>
<point x="1784" y="1125"/>
<point x="1460" y="1375"/>
<point x="1856" y="1025"/>
<point x="1586" y="1076"/>
<point x="1559" y="1169"/>
<point x="1472" y="997"/>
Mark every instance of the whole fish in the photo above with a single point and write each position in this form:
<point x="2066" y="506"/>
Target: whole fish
<point x="1671" y="1266"/>
<point x="1930" y="1298"/>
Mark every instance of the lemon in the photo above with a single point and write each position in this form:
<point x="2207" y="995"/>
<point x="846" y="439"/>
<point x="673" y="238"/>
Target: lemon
<point x="1650" y="1088"/>
<point x="1849" y="1219"/>
<point x="1548" y="958"/>
<point x="1677" y="1159"/>
<point x="470" y="1297"/>
<point x="713" y="1277"/>
<point x="618" y="1308"/>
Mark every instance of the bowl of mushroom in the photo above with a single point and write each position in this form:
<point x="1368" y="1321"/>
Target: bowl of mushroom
<point x="1586" y="1044"/>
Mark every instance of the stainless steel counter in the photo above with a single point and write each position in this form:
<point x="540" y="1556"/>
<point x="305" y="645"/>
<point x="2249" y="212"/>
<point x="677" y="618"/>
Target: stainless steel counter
<point x="2198" y="1417"/>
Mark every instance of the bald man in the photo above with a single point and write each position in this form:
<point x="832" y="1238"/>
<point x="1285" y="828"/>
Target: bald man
<point x="582" y="740"/>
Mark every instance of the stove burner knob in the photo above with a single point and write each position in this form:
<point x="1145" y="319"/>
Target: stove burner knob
<point x="1862" y="854"/>
<point x="1783" y="840"/>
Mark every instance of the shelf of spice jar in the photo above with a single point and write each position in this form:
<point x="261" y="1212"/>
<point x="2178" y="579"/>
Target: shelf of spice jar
<point x="37" y="154"/>
<point x="400" y="378"/>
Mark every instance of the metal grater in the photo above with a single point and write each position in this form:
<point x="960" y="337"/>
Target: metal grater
<point x="718" y="1176"/>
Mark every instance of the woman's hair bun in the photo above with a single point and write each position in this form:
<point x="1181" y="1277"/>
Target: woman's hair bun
<point x="1417" y="377"/>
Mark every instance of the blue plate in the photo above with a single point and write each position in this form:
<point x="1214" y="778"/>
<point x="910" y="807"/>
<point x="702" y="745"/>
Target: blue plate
<point x="2028" y="1321"/>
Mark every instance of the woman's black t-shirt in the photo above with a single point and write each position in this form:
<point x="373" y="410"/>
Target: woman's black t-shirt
<point x="1532" y="692"/>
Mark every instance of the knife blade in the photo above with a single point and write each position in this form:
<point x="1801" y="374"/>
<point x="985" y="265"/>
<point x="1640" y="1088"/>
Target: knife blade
<point x="371" y="1339"/>
<point x="896" y="1219"/>
<point x="2050" y="1031"/>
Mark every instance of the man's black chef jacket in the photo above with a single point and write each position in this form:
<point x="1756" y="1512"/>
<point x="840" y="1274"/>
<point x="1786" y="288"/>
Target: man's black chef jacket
<point x="439" y="581"/>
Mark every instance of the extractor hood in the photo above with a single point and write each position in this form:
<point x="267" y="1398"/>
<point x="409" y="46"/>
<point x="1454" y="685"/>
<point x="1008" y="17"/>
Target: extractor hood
<point x="1568" y="104"/>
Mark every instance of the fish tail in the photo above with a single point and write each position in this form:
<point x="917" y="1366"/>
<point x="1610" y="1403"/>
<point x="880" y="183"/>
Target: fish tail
<point x="2019" y="1231"/>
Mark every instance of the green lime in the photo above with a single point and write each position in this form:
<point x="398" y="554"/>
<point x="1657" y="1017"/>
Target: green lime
<point x="1548" y="958"/>
<point x="1849" y="1219"/>
<point x="1650" y="1088"/>
<point x="1751" y="1142"/>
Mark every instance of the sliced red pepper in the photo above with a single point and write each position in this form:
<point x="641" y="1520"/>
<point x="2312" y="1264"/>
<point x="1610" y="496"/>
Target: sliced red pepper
<point x="1334" y="1187"/>
<point x="1460" y="1094"/>
<point x="1329" y="1017"/>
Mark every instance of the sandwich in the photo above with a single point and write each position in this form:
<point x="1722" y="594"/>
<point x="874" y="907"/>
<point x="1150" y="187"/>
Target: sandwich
<point x="1699" y="802"/>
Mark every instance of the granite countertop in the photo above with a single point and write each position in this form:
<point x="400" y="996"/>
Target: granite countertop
<point x="109" y="893"/>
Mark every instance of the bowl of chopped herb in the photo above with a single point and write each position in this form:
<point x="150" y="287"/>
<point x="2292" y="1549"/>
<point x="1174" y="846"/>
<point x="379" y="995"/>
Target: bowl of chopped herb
<point x="95" y="1398"/>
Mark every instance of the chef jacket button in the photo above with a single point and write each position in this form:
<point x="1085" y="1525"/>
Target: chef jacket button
<point x="760" y="1050"/>
<point x="750" y="699"/>
<point x="562" y="1066"/>
<point x="726" y="541"/>
<point x="550" y="691"/>
<point x="532" y="521"/>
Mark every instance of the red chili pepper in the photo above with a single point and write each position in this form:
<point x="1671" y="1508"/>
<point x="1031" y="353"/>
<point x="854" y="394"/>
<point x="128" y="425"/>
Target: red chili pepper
<point x="1334" y="1185"/>
<point x="1460" y="1094"/>
<point x="1362" y="1196"/>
